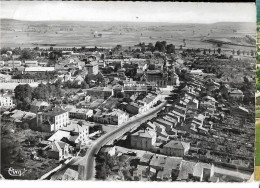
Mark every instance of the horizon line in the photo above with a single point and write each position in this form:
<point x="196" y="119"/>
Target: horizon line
<point x="128" y="21"/>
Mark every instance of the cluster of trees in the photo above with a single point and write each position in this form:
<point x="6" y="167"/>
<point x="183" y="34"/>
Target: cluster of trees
<point x="104" y="164"/>
<point x="47" y="91"/>
<point x="98" y="78"/>
<point x="160" y="46"/>
<point x="70" y="84"/>
<point x="24" y="94"/>
<point x="25" y="54"/>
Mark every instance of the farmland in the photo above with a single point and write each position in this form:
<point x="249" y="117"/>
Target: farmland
<point x="108" y="34"/>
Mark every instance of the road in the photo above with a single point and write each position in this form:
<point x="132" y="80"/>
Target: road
<point x="86" y="167"/>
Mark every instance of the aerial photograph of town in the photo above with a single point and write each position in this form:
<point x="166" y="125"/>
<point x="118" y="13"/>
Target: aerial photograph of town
<point x="163" y="92"/>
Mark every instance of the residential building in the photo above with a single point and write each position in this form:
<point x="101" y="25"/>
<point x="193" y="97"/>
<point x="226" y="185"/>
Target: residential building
<point x="58" y="150"/>
<point x="79" y="113"/>
<point x="143" y="139"/>
<point x="52" y="120"/>
<point x="6" y="100"/>
<point x="176" y="148"/>
<point x="116" y="117"/>
<point x="171" y="169"/>
<point x="236" y="95"/>
<point x="92" y="67"/>
<point x="158" y="162"/>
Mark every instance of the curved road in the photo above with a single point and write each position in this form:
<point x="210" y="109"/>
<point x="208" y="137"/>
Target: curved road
<point x="86" y="168"/>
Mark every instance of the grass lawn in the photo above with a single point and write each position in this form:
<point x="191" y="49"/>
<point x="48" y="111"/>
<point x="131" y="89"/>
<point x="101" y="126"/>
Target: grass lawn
<point x="257" y="145"/>
<point x="257" y="115"/>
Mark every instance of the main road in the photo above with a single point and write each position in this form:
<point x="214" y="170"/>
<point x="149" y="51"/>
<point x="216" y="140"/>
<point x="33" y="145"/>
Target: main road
<point x="86" y="164"/>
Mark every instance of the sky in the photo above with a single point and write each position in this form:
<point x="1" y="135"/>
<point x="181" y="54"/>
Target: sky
<point x="128" y="11"/>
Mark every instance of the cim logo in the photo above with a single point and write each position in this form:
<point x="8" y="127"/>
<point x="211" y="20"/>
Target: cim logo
<point x="16" y="172"/>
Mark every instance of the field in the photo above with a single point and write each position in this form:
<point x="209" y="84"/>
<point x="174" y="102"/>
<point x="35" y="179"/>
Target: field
<point x="23" y="33"/>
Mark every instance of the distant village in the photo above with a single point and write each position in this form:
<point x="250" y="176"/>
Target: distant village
<point x="184" y="114"/>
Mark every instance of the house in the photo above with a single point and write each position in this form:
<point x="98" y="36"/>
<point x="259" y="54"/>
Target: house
<point x="145" y="104"/>
<point x="158" y="162"/>
<point x="22" y="119"/>
<point x="78" y="80"/>
<point x="52" y="119"/>
<point x="176" y="148"/>
<point x="78" y="113"/>
<point x="143" y="139"/>
<point x="116" y="117"/>
<point x="146" y="158"/>
<point x="58" y="150"/>
<point x="236" y="95"/>
<point x="203" y="172"/>
<point x="171" y="168"/>
<point x="141" y="172"/>
<point x="193" y="104"/>
<point x="6" y="100"/>
<point x="92" y="67"/>
<point x="58" y="135"/>
<point x="79" y="132"/>
<point x="186" y="170"/>
<point x="37" y="106"/>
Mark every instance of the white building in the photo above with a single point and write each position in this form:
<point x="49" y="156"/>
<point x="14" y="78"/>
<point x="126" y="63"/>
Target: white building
<point x="52" y="120"/>
<point x="13" y="63"/>
<point x="31" y="63"/>
<point x="6" y="101"/>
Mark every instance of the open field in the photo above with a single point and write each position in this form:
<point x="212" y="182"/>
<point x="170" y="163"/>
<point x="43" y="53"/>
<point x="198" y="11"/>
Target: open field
<point x="23" y="33"/>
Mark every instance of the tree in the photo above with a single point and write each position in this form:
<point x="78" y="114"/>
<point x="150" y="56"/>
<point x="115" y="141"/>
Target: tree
<point x="160" y="46"/>
<point x="27" y="54"/>
<point x="23" y="92"/>
<point x="119" y="95"/>
<point x="170" y="48"/>
<point x="150" y="47"/>
<point x="151" y="66"/>
<point x="238" y="52"/>
<point x="219" y="50"/>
